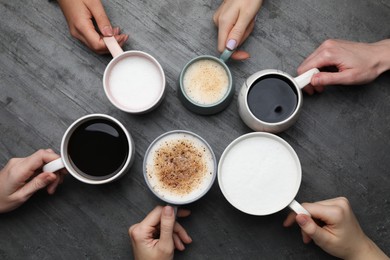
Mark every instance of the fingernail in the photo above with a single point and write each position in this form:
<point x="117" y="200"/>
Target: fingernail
<point x="168" y="211"/>
<point x="301" y="220"/>
<point x="107" y="31"/>
<point x="49" y="150"/>
<point x="115" y="30"/>
<point x="231" y="44"/>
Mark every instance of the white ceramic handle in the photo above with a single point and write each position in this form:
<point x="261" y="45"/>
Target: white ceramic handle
<point x="54" y="166"/>
<point x="304" y="79"/>
<point x="297" y="208"/>
<point x="113" y="46"/>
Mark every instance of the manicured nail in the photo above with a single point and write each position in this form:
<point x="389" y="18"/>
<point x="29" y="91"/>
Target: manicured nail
<point x="168" y="211"/>
<point x="107" y="31"/>
<point x="231" y="44"/>
<point x="301" y="220"/>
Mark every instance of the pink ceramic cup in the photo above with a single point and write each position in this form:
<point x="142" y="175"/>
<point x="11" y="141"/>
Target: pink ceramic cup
<point x="133" y="81"/>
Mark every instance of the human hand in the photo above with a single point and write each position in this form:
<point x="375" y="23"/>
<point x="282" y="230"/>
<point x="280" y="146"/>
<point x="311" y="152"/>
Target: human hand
<point x="235" y="20"/>
<point x="21" y="178"/>
<point x="341" y="235"/>
<point x="157" y="236"/>
<point x="356" y="63"/>
<point x="80" y="14"/>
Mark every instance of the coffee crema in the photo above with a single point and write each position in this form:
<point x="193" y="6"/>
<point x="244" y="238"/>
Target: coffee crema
<point x="179" y="167"/>
<point x="206" y="82"/>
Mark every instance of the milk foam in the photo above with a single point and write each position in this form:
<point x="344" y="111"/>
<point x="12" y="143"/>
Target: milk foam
<point x="206" y="82"/>
<point x="135" y="82"/>
<point x="170" y="195"/>
<point x="259" y="174"/>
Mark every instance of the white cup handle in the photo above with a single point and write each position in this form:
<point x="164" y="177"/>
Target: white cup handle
<point x="54" y="166"/>
<point x="297" y="208"/>
<point x="113" y="46"/>
<point x="304" y="79"/>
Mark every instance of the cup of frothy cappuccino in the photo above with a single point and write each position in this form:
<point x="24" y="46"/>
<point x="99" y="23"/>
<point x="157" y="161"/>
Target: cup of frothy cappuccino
<point x="179" y="167"/>
<point x="206" y="84"/>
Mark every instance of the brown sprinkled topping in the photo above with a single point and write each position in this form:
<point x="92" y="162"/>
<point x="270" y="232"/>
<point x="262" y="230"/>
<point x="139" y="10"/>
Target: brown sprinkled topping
<point x="179" y="165"/>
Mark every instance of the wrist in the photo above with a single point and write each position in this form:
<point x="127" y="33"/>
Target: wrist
<point x="383" y="55"/>
<point x="368" y="250"/>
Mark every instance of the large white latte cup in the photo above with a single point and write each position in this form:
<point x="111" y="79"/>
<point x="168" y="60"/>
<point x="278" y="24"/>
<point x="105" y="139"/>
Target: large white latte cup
<point x="260" y="174"/>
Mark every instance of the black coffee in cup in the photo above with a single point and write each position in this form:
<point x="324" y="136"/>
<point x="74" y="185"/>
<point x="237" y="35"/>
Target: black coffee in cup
<point x="272" y="98"/>
<point x="98" y="148"/>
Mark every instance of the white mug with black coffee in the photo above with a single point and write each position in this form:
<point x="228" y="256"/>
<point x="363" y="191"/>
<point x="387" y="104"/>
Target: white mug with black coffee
<point x="271" y="100"/>
<point x="95" y="149"/>
<point x="179" y="167"/>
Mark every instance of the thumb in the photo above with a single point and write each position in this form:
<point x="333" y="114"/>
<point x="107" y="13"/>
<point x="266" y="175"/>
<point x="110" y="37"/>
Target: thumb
<point x="101" y="18"/>
<point x="166" y="227"/>
<point x="39" y="182"/>
<point x="310" y="228"/>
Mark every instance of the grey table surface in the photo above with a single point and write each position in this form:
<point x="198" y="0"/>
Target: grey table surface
<point x="48" y="80"/>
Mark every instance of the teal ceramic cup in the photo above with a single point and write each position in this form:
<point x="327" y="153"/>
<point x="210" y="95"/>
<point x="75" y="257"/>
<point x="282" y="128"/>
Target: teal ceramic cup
<point x="206" y="84"/>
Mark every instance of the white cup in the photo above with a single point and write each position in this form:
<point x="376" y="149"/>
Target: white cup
<point x="179" y="153"/>
<point x="280" y="101"/>
<point x="102" y="128"/>
<point x="260" y="174"/>
<point x="133" y="81"/>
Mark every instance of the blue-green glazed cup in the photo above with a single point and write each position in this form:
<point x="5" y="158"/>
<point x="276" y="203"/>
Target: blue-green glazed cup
<point x="224" y="99"/>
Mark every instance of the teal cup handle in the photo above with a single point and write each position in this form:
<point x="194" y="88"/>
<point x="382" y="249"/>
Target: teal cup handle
<point x="226" y="54"/>
<point x="186" y="92"/>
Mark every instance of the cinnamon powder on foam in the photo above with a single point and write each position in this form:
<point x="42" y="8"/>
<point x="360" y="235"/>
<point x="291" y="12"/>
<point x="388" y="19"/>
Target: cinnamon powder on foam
<point x="180" y="166"/>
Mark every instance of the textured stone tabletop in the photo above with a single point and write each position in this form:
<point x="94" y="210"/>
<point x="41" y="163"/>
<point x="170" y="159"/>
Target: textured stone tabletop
<point x="48" y="80"/>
